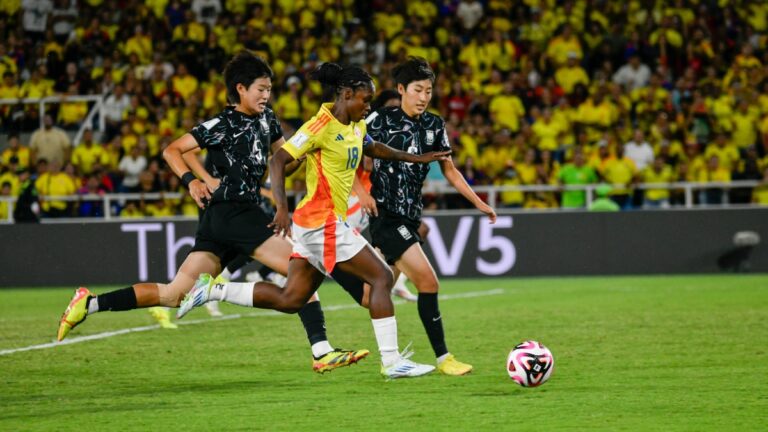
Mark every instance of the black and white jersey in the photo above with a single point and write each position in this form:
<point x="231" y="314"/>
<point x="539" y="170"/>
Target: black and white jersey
<point x="397" y="185"/>
<point x="238" y="151"/>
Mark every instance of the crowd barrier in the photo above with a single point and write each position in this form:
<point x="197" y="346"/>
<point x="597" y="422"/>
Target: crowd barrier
<point x="460" y="244"/>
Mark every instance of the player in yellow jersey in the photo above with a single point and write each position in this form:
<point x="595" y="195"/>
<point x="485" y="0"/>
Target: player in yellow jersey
<point x="333" y="143"/>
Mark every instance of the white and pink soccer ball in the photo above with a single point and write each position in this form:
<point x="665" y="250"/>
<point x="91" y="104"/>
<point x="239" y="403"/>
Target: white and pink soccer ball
<point x="530" y="364"/>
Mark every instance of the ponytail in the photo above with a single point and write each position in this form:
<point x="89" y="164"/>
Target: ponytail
<point x="334" y="78"/>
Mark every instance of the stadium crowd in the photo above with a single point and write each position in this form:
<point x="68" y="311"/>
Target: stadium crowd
<point x="534" y="92"/>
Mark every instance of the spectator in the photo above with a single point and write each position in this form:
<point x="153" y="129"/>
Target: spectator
<point x="470" y="12"/>
<point x="27" y="207"/>
<point x="55" y="183"/>
<point x="571" y="74"/>
<point x="87" y="154"/>
<point x="207" y="11"/>
<point x="633" y="75"/>
<point x="114" y="107"/>
<point x="50" y="143"/>
<point x="573" y="174"/>
<point x="17" y="150"/>
<point x="659" y="173"/>
<point x="639" y="151"/>
<point x="602" y="203"/>
<point x="131" y="166"/>
<point x="713" y="173"/>
<point x="620" y="173"/>
<point x="91" y="207"/>
<point x="35" y="19"/>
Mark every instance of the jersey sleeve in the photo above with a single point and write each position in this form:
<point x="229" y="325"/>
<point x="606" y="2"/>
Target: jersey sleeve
<point x="205" y="133"/>
<point x="275" y="130"/>
<point x="441" y="142"/>
<point x="375" y="126"/>
<point x="307" y="138"/>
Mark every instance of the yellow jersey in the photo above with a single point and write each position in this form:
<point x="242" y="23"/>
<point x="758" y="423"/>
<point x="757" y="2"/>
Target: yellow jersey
<point x="333" y="151"/>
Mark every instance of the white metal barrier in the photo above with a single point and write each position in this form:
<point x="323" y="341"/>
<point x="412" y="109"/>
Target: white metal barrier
<point x="440" y="188"/>
<point x="42" y="102"/>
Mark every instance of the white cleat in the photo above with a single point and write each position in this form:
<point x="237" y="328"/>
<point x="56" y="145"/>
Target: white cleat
<point x="213" y="309"/>
<point x="404" y="293"/>
<point x="405" y="368"/>
<point x="199" y="294"/>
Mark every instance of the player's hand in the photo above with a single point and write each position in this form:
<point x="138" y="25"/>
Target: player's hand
<point x="212" y="184"/>
<point x="281" y="225"/>
<point x="199" y="192"/>
<point x="485" y="208"/>
<point x="369" y="205"/>
<point x="433" y="156"/>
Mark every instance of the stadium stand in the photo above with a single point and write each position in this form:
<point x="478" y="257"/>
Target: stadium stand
<point x="534" y="92"/>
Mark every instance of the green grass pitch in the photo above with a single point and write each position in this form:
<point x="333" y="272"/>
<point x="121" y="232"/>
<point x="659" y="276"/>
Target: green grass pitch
<point x="656" y="353"/>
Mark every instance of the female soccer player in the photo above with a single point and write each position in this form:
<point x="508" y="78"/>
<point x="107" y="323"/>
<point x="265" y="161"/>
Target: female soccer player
<point x="233" y="223"/>
<point x="333" y="142"/>
<point x="397" y="193"/>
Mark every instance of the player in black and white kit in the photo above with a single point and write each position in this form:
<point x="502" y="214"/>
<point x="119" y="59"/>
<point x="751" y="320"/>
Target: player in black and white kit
<point x="396" y="191"/>
<point x="233" y="223"/>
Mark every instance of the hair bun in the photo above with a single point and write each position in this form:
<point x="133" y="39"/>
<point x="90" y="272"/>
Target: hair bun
<point x="328" y="74"/>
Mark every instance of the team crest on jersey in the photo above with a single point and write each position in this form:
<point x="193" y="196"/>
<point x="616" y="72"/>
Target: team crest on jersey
<point x="264" y="125"/>
<point x="430" y="137"/>
<point x="357" y="132"/>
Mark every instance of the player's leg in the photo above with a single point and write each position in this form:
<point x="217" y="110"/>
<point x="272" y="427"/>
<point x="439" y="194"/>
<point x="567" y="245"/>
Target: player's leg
<point x="414" y="263"/>
<point x="231" y="268"/>
<point x="401" y="289"/>
<point x="369" y="267"/>
<point x="140" y="295"/>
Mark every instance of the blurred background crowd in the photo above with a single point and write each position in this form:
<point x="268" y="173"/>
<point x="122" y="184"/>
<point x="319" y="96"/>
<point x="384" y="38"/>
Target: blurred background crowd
<point x="534" y="92"/>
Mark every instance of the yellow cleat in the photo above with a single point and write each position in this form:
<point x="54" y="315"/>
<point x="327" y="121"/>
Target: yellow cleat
<point x="163" y="317"/>
<point x="451" y="366"/>
<point x="75" y="313"/>
<point x="338" y="358"/>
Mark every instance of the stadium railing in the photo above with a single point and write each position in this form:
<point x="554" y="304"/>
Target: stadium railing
<point x="95" y="110"/>
<point x="492" y="193"/>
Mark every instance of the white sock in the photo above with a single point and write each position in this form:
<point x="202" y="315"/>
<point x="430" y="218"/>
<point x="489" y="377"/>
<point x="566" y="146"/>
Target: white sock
<point x="239" y="293"/>
<point x="386" y="336"/>
<point x="442" y="357"/>
<point x="93" y="305"/>
<point x="320" y="349"/>
<point x="226" y="274"/>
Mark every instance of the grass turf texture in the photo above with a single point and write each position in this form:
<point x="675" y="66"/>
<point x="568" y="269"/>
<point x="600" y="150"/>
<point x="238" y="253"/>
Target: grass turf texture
<point x="631" y="353"/>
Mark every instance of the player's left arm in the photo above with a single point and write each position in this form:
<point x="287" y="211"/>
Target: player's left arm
<point x="456" y="180"/>
<point x="378" y="150"/>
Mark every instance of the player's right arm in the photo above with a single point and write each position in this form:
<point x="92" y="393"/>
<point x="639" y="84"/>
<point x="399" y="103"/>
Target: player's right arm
<point x="301" y="143"/>
<point x="173" y="155"/>
<point x="281" y="225"/>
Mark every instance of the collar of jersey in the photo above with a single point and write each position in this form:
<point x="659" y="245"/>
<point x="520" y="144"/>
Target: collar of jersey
<point x="402" y="112"/>
<point x="242" y="114"/>
<point x="326" y="107"/>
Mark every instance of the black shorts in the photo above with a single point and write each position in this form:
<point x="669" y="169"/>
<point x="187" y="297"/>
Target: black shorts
<point x="230" y="228"/>
<point x="393" y="234"/>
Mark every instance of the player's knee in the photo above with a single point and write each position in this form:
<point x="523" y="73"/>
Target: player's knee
<point x="384" y="280"/>
<point x="428" y="285"/>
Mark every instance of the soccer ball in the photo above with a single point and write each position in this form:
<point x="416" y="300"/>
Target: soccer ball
<point x="530" y="364"/>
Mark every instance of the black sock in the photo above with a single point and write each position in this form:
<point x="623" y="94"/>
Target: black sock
<point x="314" y="322"/>
<point x="433" y="322"/>
<point x="118" y="300"/>
<point x="351" y="284"/>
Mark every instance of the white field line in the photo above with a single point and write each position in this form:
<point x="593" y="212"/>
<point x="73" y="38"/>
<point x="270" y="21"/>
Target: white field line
<point x="109" y="334"/>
